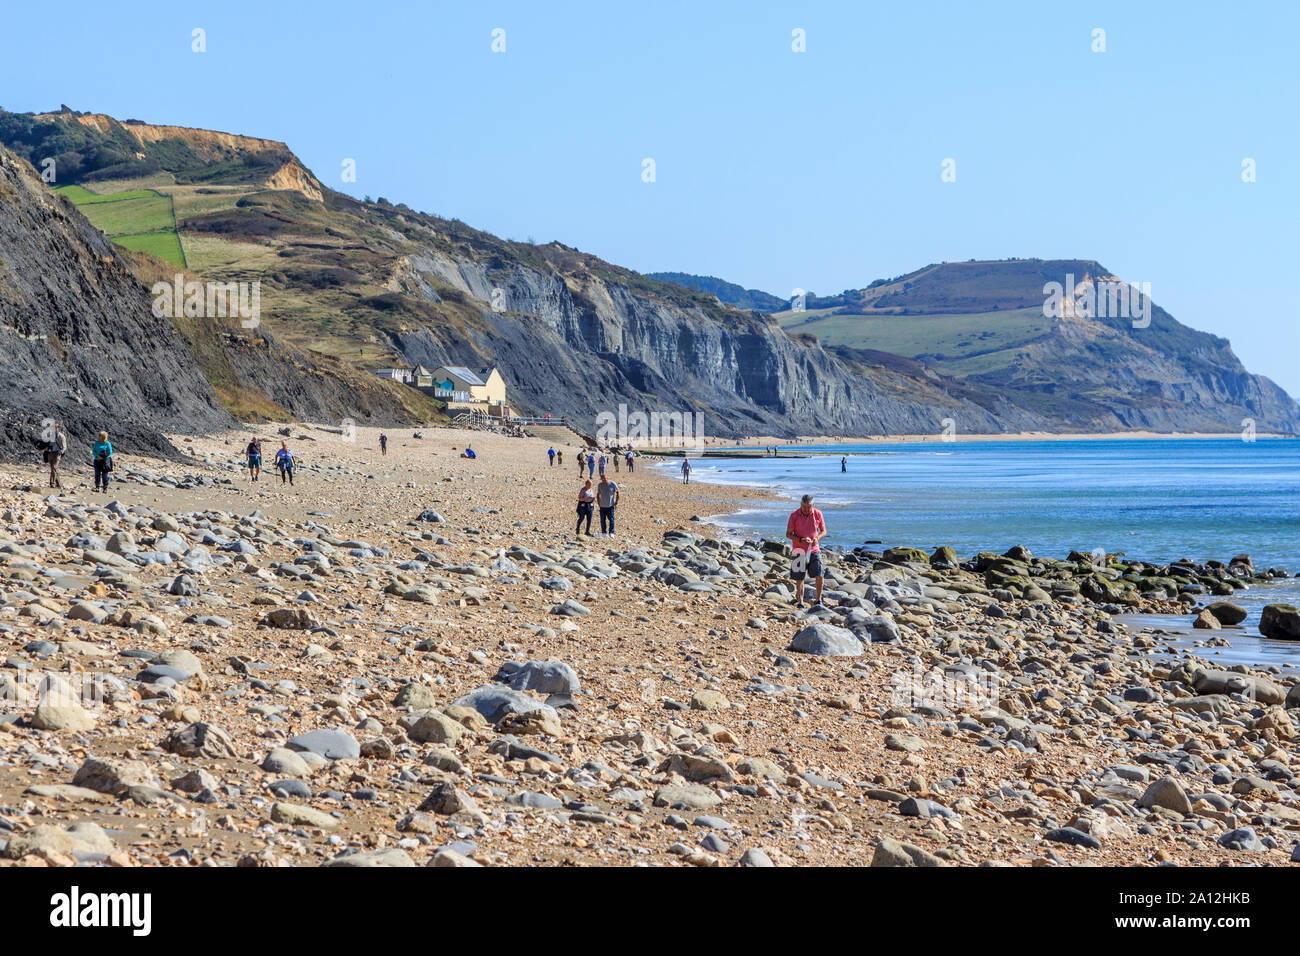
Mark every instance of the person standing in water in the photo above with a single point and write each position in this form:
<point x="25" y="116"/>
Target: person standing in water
<point x="844" y="463"/>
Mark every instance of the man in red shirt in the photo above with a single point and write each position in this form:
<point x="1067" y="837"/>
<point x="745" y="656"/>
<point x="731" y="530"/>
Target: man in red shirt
<point x="804" y="529"/>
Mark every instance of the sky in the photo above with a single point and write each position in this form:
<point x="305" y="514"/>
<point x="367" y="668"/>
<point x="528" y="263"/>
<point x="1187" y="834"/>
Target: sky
<point x="776" y="168"/>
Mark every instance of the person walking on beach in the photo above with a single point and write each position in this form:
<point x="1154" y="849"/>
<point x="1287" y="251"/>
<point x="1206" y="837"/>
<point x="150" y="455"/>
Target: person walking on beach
<point x="844" y="463"/>
<point x="550" y="454"/>
<point x="805" y="530"/>
<point x="614" y="455"/>
<point x="630" y="467"/>
<point x="686" y="471"/>
<point x="383" y="444"/>
<point x="101" y="456"/>
<point x="591" y="464"/>
<point x="582" y="462"/>
<point x="254" y="454"/>
<point x="586" y="498"/>
<point x="55" y="449"/>
<point x="602" y="463"/>
<point x="559" y="457"/>
<point x="607" y="501"/>
<point x="284" y="461"/>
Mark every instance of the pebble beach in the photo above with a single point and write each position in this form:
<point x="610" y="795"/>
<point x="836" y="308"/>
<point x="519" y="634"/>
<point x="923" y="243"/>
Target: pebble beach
<point x="412" y="660"/>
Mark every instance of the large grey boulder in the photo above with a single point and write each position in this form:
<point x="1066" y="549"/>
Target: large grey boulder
<point x="330" y="744"/>
<point x="1209" y="681"/>
<point x="545" y="677"/>
<point x="1166" y="792"/>
<point x="826" y="640"/>
<point x="494" y="701"/>
<point x="1228" y="613"/>
<point x="894" y="853"/>
<point x="1281" y="621"/>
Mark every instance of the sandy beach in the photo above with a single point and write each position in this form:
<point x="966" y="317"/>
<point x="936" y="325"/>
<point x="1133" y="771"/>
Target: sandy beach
<point x="698" y="734"/>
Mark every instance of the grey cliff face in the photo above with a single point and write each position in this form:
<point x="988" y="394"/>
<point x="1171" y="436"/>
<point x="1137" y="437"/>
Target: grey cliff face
<point x="78" y="337"/>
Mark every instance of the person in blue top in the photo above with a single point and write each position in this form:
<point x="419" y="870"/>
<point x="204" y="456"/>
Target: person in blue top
<point x="550" y="453"/>
<point x="383" y="444"/>
<point x="102" y="458"/>
<point x="284" y="461"/>
<point x="591" y="464"/>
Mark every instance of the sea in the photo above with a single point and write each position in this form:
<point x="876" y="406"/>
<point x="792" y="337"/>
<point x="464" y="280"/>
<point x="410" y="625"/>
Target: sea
<point x="1152" y="499"/>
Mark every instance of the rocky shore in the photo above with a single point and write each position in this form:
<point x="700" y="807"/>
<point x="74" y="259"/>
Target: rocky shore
<point x="412" y="660"/>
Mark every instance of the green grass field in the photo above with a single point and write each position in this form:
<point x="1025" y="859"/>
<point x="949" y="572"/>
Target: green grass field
<point x="789" y="319"/>
<point x="953" y="337"/>
<point x="160" y="245"/>
<point x="139" y="219"/>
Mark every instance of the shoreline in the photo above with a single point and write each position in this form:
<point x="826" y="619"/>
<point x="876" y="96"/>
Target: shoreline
<point x="1252" y="648"/>
<point x="803" y="440"/>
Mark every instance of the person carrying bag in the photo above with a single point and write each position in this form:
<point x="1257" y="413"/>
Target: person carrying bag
<point x="102" y="459"/>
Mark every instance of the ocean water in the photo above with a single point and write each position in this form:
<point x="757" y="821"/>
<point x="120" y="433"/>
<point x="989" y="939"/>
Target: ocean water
<point x="1158" y="500"/>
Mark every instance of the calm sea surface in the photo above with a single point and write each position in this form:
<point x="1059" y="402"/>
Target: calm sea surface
<point x="1157" y="500"/>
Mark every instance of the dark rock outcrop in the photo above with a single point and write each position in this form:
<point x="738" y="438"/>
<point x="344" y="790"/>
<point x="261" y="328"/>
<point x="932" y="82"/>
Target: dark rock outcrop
<point x="78" y="337"/>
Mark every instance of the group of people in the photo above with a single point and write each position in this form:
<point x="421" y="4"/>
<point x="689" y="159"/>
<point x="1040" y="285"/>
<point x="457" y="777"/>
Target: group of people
<point x="283" y="460"/>
<point x="590" y="461"/>
<point x="805" y="527"/>
<point x="603" y="494"/>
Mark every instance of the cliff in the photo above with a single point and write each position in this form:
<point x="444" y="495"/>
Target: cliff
<point x="78" y="337"/>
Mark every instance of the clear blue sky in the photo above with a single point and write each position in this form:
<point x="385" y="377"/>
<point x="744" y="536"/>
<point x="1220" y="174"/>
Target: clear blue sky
<point x="775" y="169"/>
